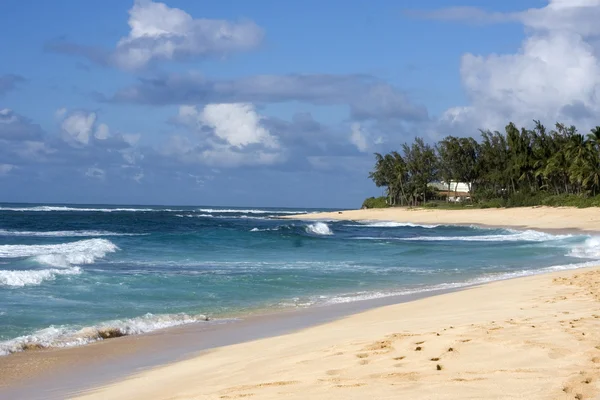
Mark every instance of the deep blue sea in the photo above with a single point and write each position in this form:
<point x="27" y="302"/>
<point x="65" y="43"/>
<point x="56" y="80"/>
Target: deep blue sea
<point x="68" y="272"/>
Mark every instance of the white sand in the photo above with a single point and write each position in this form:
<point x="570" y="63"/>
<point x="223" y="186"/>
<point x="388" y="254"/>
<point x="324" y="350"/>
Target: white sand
<point x="529" y="338"/>
<point x="585" y="219"/>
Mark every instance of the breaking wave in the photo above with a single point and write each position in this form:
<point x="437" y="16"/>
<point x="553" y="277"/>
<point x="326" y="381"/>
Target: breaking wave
<point x="82" y="209"/>
<point x="4" y="232"/>
<point x="61" y="255"/>
<point x="33" y="277"/>
<point x="250" y="211"/>
<point x="265" y="229"/>
<point x="69" y="336"/>
<point x="319" y="228"/>
<point x="589" y="249"/>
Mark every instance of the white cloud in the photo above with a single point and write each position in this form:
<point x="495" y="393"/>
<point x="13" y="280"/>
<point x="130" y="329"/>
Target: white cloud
<point x="555" y="75"/>
<point x="102" y="132"/>
<point x="95" y="173"/>
<point x="229" y="135"/>
<point x="237" y="124"/>
<point x="159" y="32"/>
<point x="77" y="127"/>
<point x="5" y="169"/>
<point x="359" y="138"/>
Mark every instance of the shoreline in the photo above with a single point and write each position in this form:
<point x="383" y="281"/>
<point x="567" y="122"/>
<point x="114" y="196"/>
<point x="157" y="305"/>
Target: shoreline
<point x="54" y="373"/>
<point x="535" y="337"/>
<point x="547" y="219"/>
<point x="59" y="372"/>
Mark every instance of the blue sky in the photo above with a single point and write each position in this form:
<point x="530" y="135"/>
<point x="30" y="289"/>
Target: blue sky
<point x="269" y="103"/>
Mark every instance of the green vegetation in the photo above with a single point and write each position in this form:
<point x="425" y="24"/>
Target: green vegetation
<point x="520" y="167"/>
<point x="375" y="202"/>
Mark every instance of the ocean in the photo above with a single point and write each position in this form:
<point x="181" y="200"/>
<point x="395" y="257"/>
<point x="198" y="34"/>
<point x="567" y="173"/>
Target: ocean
<point x="73" y="274"/>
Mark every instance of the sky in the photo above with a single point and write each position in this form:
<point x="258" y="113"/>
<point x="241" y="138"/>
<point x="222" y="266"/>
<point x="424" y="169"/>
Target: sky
<point x="270" y="103"/>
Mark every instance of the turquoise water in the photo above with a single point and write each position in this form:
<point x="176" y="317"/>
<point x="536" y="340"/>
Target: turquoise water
<point x="69" y="272"/>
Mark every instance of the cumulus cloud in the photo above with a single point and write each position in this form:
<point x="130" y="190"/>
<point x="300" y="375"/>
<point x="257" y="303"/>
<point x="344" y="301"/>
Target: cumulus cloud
<point x="229" y="135"/>
<point x="81" y="129"/>
<point x="366" y="96"/>
<point x="238" y="125"/>
<point x="9" y="82"/>
<point x="77" y="127"/>
<point x="161" y="33"/>
<point x="555" y="75"/>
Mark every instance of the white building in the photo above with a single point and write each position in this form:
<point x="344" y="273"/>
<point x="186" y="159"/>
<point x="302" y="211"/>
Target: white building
<point x="456" y="191"/>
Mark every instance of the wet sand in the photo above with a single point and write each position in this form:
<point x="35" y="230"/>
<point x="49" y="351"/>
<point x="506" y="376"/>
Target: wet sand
<point x="557" y="308"/>
<point x="528" y="338"/>
<point x="58" y="373"/>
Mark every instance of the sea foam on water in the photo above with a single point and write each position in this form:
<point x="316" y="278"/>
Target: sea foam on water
<point x="319" y="228"/>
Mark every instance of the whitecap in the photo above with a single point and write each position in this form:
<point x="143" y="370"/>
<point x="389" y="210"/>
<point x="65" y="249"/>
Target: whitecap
<point x="249" y="211"/>
<point x="319" y="228"/>
<point x="81" y="209"/>
<point x="33" y="277"/>
<point x="589" y="249"/>
<point x="61" y="255"/>
<point x="5" y="232"/>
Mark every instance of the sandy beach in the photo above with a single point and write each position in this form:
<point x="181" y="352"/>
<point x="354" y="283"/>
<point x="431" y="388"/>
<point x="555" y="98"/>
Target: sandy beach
<point x="535" y="337"/>
<point x="542" y="218"/>
<point x="528" y="338"/>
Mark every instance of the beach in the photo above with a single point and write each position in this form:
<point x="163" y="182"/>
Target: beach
<point x="528" y="338"/>
<point x="541" y="218"/>
<point x="455" y="326"/>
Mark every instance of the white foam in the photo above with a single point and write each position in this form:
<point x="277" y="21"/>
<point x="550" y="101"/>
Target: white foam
<point x="360" y="296"/>
<point x="512" y="236"/>
<point x="249" y="211"/>
<point x="319" y="228"/>
<point x="61" y="255"/>
<point x="33" y="277"/>
<point x="589" y="249"/>
<point x="391" y="224"/>
<point x="265" y="229"/>
<point x="68" y="336"/>
<point x="81" y="209"/>
<point x="4" y="232"/>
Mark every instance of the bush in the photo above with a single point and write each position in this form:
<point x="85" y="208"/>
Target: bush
<point x="375" y="202"/>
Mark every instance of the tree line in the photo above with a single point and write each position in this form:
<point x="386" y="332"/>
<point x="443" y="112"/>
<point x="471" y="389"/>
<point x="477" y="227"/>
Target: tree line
<point x="526" y="162"/>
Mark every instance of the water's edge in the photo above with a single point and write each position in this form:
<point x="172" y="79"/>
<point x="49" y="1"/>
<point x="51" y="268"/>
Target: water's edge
<point x="86" y="368"/>
<point x="61" y="372"/>
<point x="115" y="359"/>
